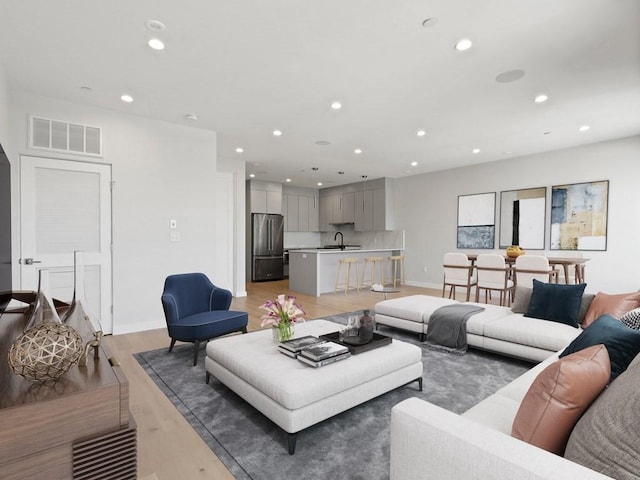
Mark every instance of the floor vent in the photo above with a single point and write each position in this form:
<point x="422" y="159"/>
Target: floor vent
<point x="109" y="457"/>
<point x="65" y="136"/>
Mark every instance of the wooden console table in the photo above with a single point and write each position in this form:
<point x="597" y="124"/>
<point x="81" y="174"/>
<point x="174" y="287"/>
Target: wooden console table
<point x="77" y="427"/>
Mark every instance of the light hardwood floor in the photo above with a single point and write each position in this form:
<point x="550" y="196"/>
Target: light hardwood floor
<point x="168" y="448"/>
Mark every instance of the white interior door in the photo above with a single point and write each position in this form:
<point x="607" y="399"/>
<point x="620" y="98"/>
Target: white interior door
<point x="66" y="206"/>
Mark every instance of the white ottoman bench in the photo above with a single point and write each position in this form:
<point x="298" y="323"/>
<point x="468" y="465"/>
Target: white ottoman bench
<point x="295" y="396"/>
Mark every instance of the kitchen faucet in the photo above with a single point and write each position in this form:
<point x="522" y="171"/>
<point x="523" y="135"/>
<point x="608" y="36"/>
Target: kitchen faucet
<point x="335" y="237"/>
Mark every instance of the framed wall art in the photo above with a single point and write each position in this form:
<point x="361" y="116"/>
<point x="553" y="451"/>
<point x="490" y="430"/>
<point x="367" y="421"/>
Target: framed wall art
<point x="477" y="220"/>
<point x="579" y="216"/>
<point x="523" y="218"/>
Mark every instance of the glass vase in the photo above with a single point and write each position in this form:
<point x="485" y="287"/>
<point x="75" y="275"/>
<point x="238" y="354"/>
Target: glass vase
<point x="79" y="316"/>
<point x="283" y="332"/>
<point x="43" y="310"/>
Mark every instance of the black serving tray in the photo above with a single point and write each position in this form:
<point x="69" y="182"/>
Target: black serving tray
<point x="377" y="341"/>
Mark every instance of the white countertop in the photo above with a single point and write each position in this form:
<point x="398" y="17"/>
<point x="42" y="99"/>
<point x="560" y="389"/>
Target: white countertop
<point x="347" y="250"/>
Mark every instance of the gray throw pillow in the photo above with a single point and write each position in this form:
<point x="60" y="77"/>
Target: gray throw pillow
<point x="632" y="319"/>
<point x="587" y="298"/>
<point x="521" y="299"/>
<point x="606" y="437"/>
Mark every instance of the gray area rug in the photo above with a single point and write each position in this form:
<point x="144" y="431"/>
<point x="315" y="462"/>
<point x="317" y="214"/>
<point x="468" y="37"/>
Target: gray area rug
<point x="353" y="445"/>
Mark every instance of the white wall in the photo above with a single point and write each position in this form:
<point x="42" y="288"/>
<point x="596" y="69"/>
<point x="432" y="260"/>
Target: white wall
<point x="161" y="171"/>
<point x="426" y="208"/>
<point x="236" y="168"/>
<point x="4" y="109"/>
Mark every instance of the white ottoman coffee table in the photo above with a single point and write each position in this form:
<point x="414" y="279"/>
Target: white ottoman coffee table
<point x="295" y="396"/>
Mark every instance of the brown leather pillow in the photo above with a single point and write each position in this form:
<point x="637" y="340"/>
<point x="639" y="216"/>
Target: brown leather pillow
<point x="559" y="396"/>
<point x="614" y="305"/>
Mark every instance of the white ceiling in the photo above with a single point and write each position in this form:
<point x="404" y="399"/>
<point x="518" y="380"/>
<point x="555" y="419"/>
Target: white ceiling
<point x="249" y="67"/>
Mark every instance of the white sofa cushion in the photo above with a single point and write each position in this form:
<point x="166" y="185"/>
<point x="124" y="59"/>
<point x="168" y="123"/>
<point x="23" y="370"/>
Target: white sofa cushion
<point x="534" y="332"/>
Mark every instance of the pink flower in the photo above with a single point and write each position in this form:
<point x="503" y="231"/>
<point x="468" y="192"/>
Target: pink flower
<point x="283" y="309"/>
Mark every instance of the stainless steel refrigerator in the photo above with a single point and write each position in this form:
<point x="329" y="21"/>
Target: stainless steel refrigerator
<point x="267" y="239"/>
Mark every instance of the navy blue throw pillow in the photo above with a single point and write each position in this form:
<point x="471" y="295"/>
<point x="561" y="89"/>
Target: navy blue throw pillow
<point x="558" y="303"/>
<point x="622" y="342"/>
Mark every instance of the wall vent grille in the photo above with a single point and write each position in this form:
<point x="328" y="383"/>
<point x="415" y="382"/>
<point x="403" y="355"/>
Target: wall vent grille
<point x="64" y="136"/>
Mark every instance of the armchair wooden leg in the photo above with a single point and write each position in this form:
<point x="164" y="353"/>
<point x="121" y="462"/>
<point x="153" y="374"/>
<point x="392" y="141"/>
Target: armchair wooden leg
<point x="196" y="347"/>
<point x="173" y="342"/>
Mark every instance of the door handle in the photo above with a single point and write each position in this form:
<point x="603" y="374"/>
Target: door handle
<point x="29" y="261"/>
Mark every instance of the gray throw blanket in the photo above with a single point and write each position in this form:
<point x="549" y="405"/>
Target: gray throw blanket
<point x="447" y="329"/>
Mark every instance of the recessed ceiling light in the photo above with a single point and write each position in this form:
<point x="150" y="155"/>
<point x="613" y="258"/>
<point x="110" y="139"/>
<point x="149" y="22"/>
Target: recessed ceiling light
<point x="277" y="133"/>
<point x="421" y="133"/>
<point x="414" y="164"/>
<point x="476" y="150"/>
<point x="156" y="44"/>
<point x="463" y="44"/>
<point x="319" y="184"/>
<point x="357" y="151"/>
<point x="155" y="25"/>
<point x="288" y="180"/>
<point x="543" y="97"/>
<point x="191" y="116"/>
<point x="252" y="175"/>
<point x="126" y="98"/>
<point x="584" y="128"/>
<point x="239" y="150"/>
<point x="336" y="105"/>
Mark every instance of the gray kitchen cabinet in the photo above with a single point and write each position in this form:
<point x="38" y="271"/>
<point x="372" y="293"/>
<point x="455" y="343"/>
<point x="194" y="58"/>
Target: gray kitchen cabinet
<point x="264" y="197"/>
<point x="301" y="209"/>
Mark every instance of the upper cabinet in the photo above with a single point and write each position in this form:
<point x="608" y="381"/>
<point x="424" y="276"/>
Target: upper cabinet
<point x="368" y="205"/>
<point x="264" y="197"/>
<point x="337" y="206"/>
<point x="301" y="209"/>
<point x="374" y="206"/>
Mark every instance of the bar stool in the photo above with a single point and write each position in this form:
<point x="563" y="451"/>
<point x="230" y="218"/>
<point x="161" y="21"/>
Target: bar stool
<point x="373" y="262"/>
<point x="397" y="261"/>
<point x="347" y="262"/>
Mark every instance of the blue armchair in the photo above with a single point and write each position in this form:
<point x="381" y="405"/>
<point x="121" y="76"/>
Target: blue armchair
<point x="196" y="310"/>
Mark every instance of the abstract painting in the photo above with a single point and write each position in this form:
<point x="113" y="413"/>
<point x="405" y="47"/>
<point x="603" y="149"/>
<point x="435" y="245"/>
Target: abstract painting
<point x="579" y="216"/>
<point x="476" y="220"/>
<point x="522" y="218"/>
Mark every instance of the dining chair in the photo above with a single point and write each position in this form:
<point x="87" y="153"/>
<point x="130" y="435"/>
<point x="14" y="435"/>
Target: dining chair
<point x="493" y="275"/>
<point x="458" y="272"/>
<point x="530" y="267"/>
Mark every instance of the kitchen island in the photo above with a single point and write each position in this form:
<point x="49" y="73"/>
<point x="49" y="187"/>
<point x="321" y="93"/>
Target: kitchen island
<point x="313" y="271"/>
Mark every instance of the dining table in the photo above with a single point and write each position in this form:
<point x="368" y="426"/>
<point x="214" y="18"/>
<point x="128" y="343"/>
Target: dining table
<point x="564" y="262"/>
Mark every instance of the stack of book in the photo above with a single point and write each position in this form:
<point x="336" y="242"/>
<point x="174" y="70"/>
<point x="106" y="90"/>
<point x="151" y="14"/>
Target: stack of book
<point x="324" y="353"/>
<point x="292" y="348"/>
<point x="314" y="351"/>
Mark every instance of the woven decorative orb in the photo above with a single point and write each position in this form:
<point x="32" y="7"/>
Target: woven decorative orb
<point x="45" y="352"/>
